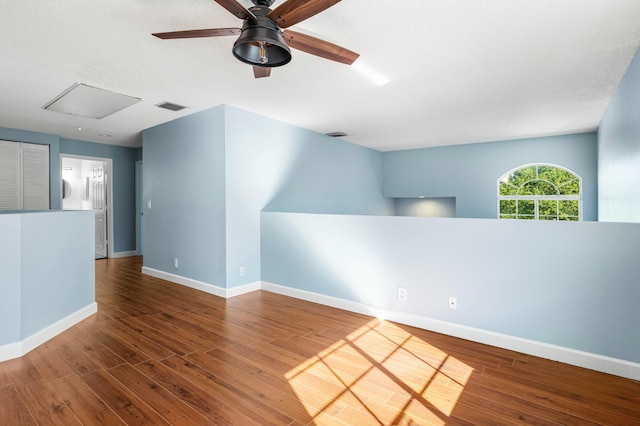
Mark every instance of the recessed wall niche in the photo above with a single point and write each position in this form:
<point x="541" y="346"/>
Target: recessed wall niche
<point x="426" y="206"/>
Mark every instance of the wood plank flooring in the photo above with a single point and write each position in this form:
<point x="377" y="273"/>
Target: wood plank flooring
<point x="160" y="353"/>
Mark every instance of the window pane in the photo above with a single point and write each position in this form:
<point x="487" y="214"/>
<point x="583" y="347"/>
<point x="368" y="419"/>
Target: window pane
<point x="568" y="209"/>
<point x="507" y="216"/>
<point x="548" y="173"/>
<point x="555" y="175"/>
<point x="571" y="188"/>
<point x="520" y="176"/>
<point x="538" y="187"/>
<point x="548" y="210"/>
<point x="508" y="207"/>
<point x="526" y="189"/>
<point x="526" y="209"/>
<point x="507" y="189"/>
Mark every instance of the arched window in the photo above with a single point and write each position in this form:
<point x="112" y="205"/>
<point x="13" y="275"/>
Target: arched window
<point x="540" y="192"/>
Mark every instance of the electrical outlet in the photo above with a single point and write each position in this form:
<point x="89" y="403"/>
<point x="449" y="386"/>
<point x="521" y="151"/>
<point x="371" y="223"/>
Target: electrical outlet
<point x="402" y="294"/>
<point x="453" y="303"/>
<point x="175" y="263"/>
<point x="242" y="271"/>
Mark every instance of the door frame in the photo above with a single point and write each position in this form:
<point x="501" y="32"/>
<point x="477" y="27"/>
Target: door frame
<point x="139" y="209"/>
<point x="108" y="163"/>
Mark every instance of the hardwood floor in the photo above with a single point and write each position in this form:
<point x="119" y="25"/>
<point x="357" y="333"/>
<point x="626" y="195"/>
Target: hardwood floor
<point x="160" y="353"/>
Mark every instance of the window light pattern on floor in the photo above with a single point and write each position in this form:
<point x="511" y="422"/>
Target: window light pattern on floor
<point x="374" y="368"/>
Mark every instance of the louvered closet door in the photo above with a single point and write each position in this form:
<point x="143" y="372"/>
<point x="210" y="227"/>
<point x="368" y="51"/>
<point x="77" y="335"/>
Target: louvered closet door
<point x="10" y="182"/>
<point x="35" y="176"/>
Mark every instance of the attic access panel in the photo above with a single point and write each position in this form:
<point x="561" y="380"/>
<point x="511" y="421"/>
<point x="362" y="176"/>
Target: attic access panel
<point x="90" y="102"/>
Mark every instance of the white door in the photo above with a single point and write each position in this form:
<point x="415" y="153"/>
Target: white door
<point x="99" y="180"/>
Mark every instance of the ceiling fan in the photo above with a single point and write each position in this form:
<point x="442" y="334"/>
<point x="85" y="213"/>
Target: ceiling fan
<point x="262" y="43"/>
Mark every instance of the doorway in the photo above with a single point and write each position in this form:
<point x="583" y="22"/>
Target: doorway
<point x="86" y="185"/>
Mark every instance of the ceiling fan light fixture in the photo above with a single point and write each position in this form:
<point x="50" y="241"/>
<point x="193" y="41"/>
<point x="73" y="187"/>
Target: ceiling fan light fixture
<point x="261" y="43"/>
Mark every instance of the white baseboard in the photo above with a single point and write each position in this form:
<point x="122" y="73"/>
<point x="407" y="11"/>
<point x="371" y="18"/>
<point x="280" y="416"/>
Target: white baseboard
<point x="18" y="349"/>
<point x="202" y="286"/>
<point x="10" y="351"/>
<point x="575" y="357"/>
<point x="188" y="282"/>
<point x="117" y="254"/>
<point x="244" y="289"/>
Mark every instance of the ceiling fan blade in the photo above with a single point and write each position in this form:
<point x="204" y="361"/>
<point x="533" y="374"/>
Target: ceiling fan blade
<point x="293" y="11"/>
<point x="260" y="72"/>
<point x="211" y="32"/>
<point x="318" y="47"/>
<point x="237" y="9"/>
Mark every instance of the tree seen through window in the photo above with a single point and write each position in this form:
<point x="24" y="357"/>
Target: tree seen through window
<point x="540" y="192"/>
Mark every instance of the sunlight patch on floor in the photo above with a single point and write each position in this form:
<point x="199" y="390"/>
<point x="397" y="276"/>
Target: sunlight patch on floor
<point x="380" y="374"/>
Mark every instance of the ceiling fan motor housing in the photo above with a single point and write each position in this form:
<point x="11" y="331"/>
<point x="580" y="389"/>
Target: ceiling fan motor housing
<point x="266" y="3"/>
<point x="263" y="31"/>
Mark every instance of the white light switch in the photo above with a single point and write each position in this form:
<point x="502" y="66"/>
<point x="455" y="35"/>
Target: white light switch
<point x="149" y="204"/>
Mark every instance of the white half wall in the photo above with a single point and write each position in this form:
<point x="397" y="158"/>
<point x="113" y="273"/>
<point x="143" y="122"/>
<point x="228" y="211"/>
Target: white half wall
<point x="562" y="290"/>
<point x="47" y="283"/>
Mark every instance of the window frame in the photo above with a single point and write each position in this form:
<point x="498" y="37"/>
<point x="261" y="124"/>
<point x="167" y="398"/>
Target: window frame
<point x="537" y="198"/>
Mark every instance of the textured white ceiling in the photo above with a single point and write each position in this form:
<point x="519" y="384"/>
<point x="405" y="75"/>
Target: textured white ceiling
<point x="456" y="71"/>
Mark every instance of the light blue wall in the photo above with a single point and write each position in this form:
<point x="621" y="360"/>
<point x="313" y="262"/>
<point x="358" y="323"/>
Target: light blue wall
<point x="619" y="152"/>
<point x="569" y="284"/>
<point x="274" y="166"/>
<point x="210" y="174"/>
<point x="124" y="158"/>
<point x="48" y="270"/>
<point x="54" y="156"/>
<point x="9" y="278"/>
<point x="57" y="268"/>
<point x="470" y="172"/>
<point x="184" y="178"/>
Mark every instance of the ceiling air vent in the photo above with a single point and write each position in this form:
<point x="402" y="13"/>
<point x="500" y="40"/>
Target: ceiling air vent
<point x="336" y="134"/>
<point x="170" y="106"/>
